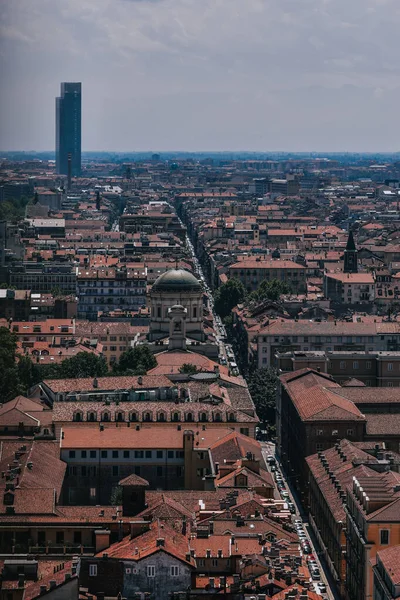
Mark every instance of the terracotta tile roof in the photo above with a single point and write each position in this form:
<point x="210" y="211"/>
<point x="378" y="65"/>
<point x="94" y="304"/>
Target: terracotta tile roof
<point x="390" y="559"/>
<point x="267" y="264"/>
<point x="39" y="481"/>
<point x="146" y="544"/>
<point x="325" y="328"/>
<point x="64" y="412"/>
<point x="383" y="424"/>
<point x="134" y="480"/>
<point x="314" y="401"/>
<point x="21" y="410"/>
<point x="262" y="479"/>
<point x="366" y="395"/>
<point x="235" y="446"/>
<point x="146" y="437"/>
<point x="350" y="278"/>
<point x="107" y="383"/>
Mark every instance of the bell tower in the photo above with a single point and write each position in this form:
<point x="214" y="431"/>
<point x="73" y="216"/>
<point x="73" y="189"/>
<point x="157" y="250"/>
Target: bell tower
<point x="350" y="256"/>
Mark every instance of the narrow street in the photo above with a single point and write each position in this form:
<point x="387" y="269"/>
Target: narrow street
<point x="322" y="583"/>
<point x="226" y="352"/>
<point x="268" y="449"/>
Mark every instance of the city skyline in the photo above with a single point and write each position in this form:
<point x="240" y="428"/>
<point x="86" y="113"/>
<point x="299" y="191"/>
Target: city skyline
<point x="169" y="74"/>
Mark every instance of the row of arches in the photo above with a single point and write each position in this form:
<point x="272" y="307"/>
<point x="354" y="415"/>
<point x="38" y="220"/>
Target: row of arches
<point x="150" y="416"/>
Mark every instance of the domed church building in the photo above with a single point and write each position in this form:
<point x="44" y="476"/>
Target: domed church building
<point x="176" y="317"/>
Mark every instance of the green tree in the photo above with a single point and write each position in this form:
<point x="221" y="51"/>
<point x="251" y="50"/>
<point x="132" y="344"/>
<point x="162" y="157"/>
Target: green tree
<point x="188" y="368"/>
<point x="263" y="385"/>
<point x="116" y="496"/>
<point x="84" y="364"/>
<point x="228" y="296"/>
<point x="28" y="373"/>
<point x="270" y="290"/>
<point x="137" y="360"/>
<point x="9" y="383"/>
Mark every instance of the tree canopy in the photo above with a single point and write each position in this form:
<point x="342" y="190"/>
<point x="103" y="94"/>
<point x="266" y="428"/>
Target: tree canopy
<point x="136" y="361"/>
<point x="270" y="290"/>
<point x="9" y="382"/>
<point x="84" y="364"/>
<point x="263" y="385"/>
<point x="228" y="296"/>
<point x="188" y="368"/>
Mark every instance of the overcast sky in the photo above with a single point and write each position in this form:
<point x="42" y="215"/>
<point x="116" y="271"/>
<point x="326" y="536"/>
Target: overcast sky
<point x="204" y="74"/>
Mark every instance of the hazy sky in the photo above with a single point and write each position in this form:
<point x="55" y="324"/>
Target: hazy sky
<point x="204" y="74"/>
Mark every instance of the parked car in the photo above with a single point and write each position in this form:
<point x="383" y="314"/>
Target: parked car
<point x="321" y="588"/>
<point x="271" y="460"/>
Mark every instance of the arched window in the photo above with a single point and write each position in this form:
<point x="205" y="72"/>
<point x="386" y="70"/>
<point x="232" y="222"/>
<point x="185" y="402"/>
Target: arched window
<point x="189" y="417"/>
<point x="161" y="417"/>
<point x="91" y="416"/>
<point x="231" y="417"/>
<point x="217" y="417"/>
<point x="147" y="416"/>
<point x="176" y="416"/>
<point x="78" y="416"/>
<point x="133" y="416"/>
<point x="203" y="416"/>
<point x="120" y="416"/>
<point x="105" y="416"/>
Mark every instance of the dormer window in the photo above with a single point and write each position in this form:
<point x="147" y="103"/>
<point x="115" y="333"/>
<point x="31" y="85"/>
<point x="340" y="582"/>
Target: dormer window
<point x="91" y="416"/>
<point x="161" y="417"/>
<point x="106" y="416"/>
<point x="175" y="416"/>
<point x="78" y="416"/>
<point x="147" y="417"/>
<point x="231" y="417"/>
<point x="217" y="417"/>
<point x="189" y="417"/>
<point x="133" y="416"/>
<point x="203" y="417"/>
<point x="120" y="416"/>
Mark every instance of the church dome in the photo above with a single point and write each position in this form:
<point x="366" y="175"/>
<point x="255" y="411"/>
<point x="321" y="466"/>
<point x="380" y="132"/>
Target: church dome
<point x="176" y="280"/>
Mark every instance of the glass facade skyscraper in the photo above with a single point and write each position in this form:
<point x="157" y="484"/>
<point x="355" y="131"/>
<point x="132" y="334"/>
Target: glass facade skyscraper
<point x="68" y="128"/>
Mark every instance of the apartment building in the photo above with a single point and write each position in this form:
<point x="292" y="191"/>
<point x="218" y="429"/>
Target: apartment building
<point x="330" y="473"/>
<point x="170" y="458"/>
<point x="310" y="417"/>
<point x="349" y="288"/>
<point x="108" y="289"/>
<point x="254" y="271"/>
<point x="372" y="525"/>
<point x="325" y="336"/>
<point x="150" y="220"/>
<point x="43" y="277"/>
<point x="57" y="332"/>
<point x="387" y="574"/>
<point x="375" y="369"/>
<point x="115" y="337"/>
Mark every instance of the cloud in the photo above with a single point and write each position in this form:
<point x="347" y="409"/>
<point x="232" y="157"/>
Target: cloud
<point x="210" y="74"/>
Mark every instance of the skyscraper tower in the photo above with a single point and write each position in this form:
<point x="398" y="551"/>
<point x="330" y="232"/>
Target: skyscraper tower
<point x="68" y="128"/>
<point x="350" y="256"/>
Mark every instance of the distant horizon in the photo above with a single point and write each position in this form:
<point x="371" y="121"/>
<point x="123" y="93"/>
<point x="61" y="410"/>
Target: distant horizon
<point x="317" y="153"/>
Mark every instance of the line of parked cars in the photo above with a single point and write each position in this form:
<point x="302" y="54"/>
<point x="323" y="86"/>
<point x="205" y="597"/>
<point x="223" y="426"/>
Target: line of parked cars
<point x="280" y="484"/>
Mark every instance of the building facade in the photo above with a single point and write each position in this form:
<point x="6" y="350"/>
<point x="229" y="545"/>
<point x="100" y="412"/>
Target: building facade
<point x="68" y="128"/>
